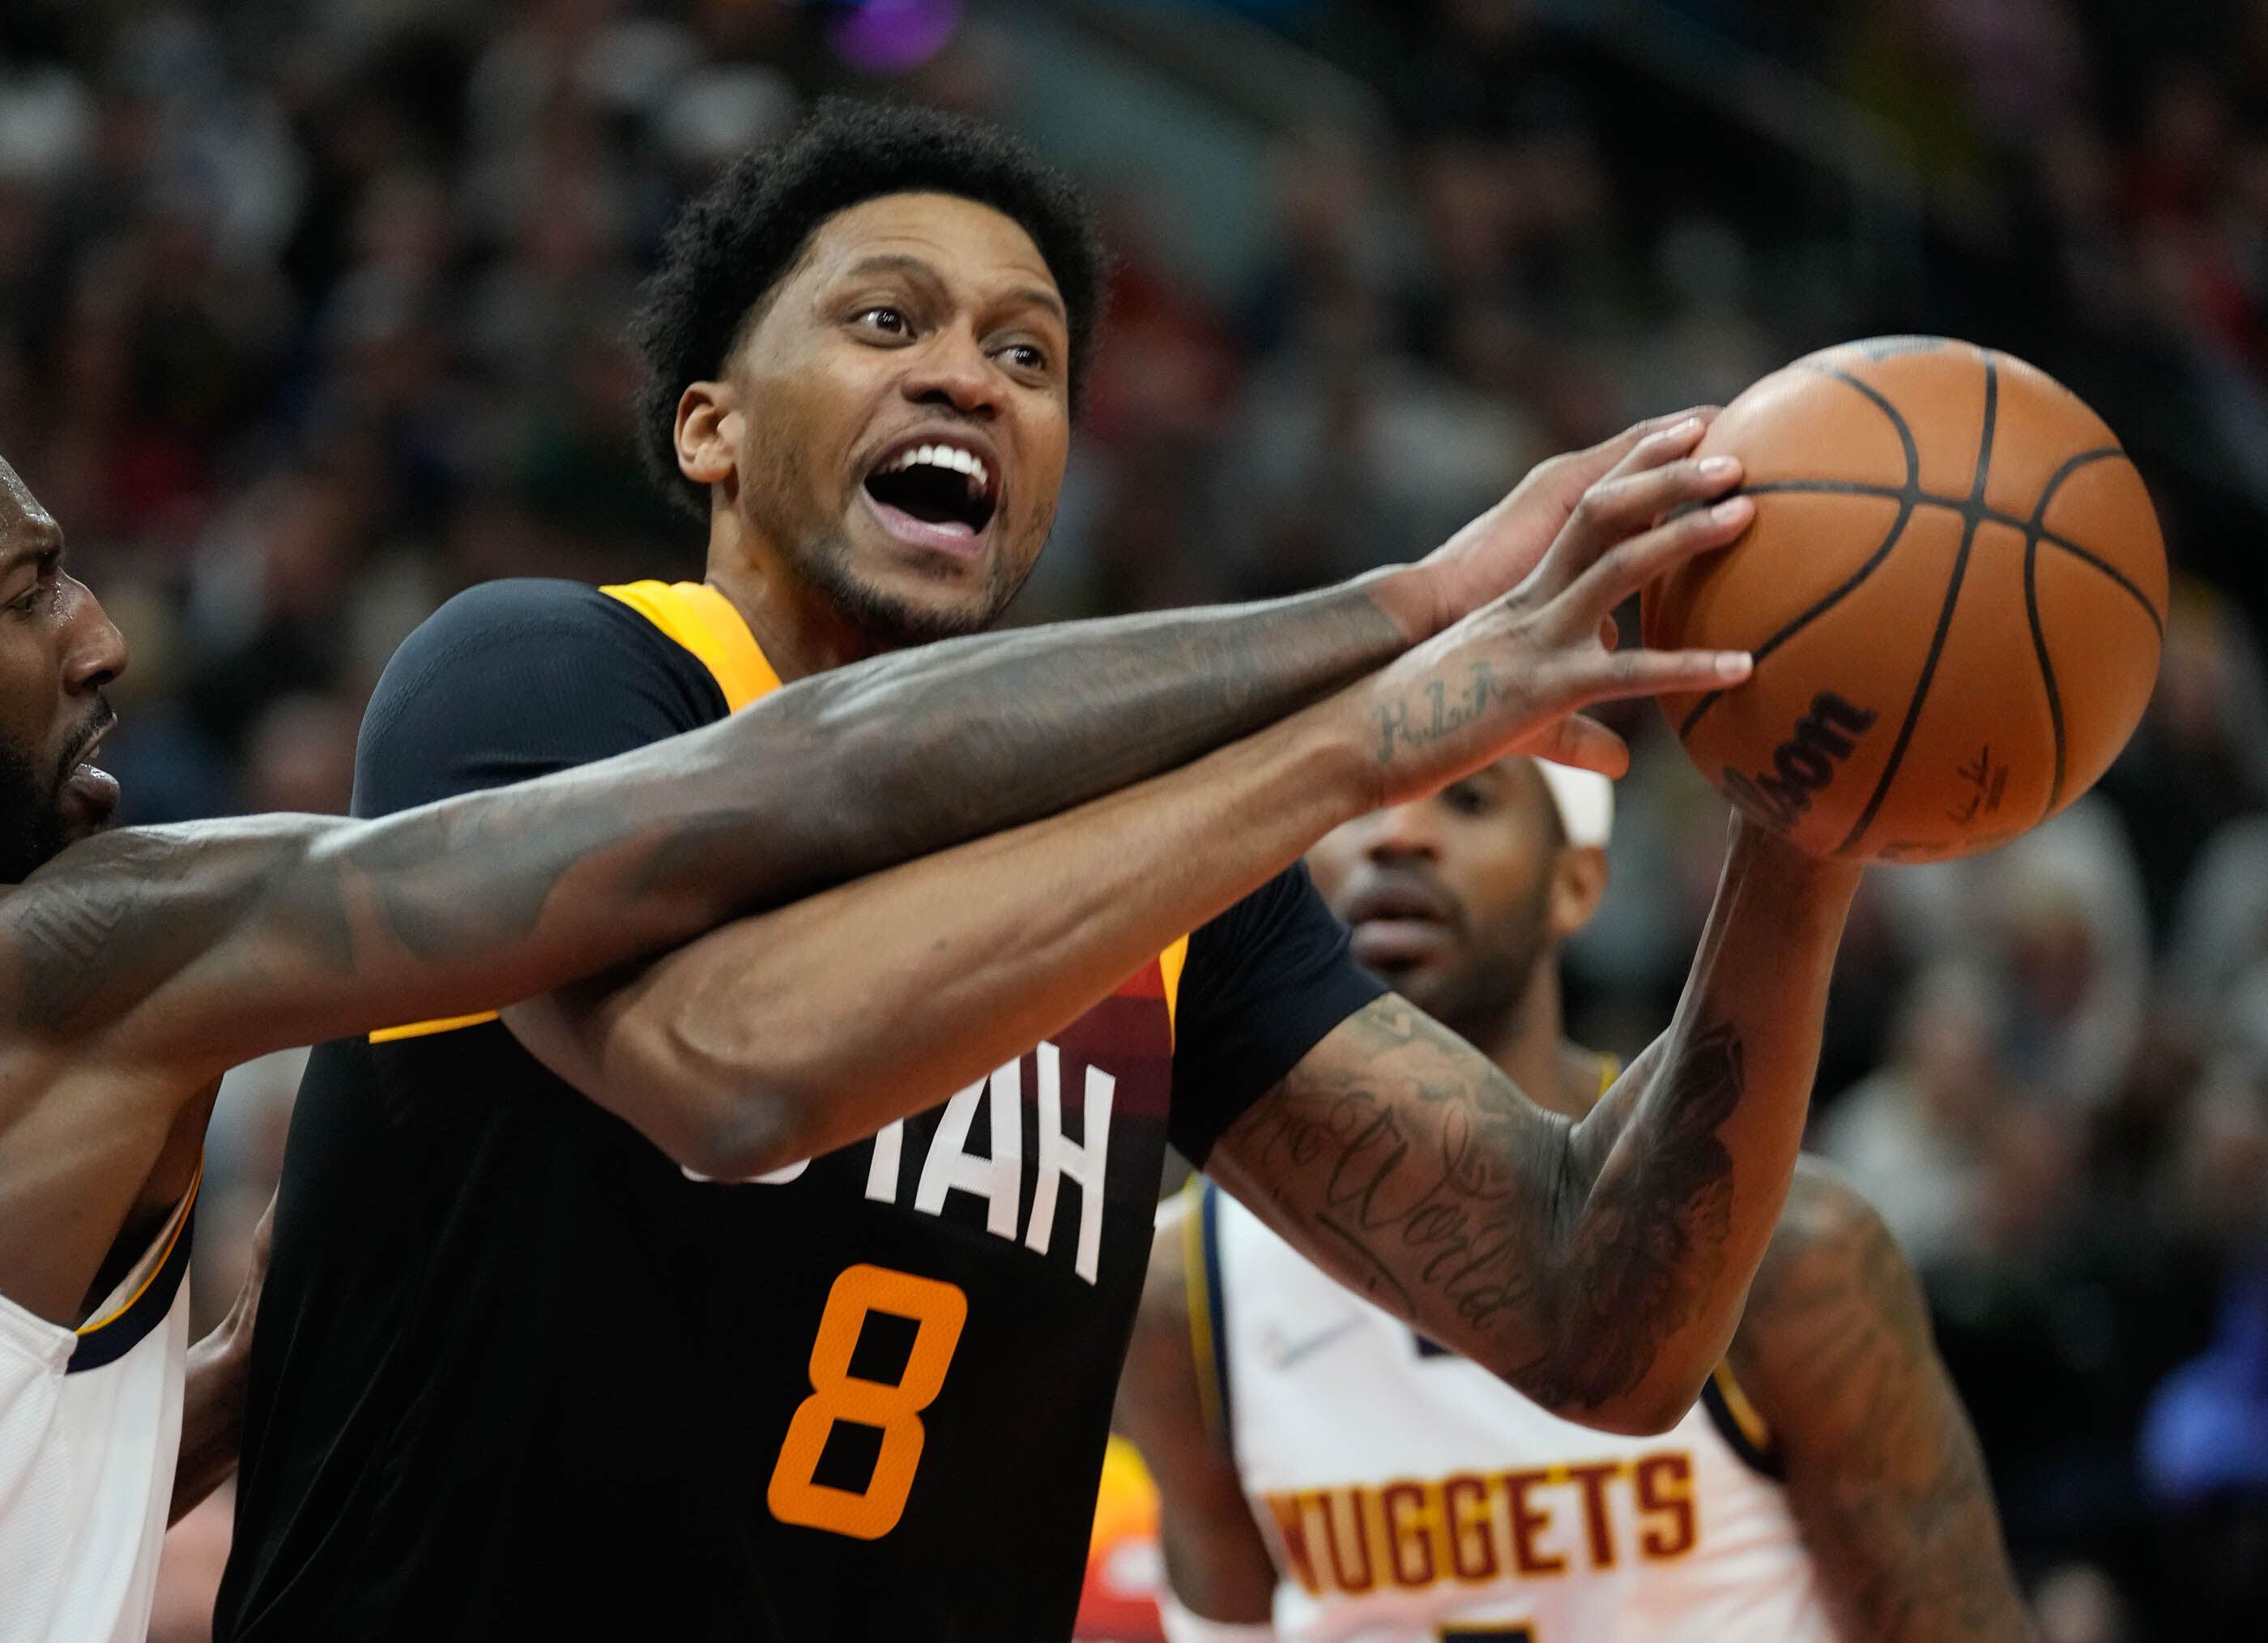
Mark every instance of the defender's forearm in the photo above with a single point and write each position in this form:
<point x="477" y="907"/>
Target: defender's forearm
<point x="951" y="741"/>
<point x="493" y="897"/>
<point x="851" y="771"/>
<point x="744" y="1051"/>
<point x="1679" y="1173"/>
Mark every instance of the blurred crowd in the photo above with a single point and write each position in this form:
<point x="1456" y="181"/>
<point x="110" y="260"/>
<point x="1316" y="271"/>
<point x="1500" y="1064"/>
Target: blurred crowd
<point x="311" y="315"/>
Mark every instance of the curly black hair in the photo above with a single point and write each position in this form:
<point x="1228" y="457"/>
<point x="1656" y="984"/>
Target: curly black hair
<point x="740" y="237"/>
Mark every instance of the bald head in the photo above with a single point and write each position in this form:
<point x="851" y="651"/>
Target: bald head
<point x="58" y="652"/>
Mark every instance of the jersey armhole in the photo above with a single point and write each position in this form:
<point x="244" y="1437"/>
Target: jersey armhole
<point x="1745" y="1431"/>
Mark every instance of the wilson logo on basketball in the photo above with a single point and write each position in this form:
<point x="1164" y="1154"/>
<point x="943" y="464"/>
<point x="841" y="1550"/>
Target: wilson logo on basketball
<point x="1804" y="764"/>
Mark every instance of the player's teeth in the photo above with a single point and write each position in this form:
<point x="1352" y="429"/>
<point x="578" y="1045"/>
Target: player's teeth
<point x="943" y="456"/>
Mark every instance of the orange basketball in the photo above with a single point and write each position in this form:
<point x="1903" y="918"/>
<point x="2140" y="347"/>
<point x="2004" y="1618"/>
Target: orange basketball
<point x="1954" y="589"/>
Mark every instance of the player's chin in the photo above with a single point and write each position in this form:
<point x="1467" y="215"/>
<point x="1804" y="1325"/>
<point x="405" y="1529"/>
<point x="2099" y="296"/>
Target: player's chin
<point x="926" y="589"/>
<point x="1418" y="980"/>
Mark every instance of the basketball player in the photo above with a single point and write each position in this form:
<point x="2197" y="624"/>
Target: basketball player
<point x="141" y="964"/>
<point x="1324" y="1472"/>
<point x="549" y="1348"/>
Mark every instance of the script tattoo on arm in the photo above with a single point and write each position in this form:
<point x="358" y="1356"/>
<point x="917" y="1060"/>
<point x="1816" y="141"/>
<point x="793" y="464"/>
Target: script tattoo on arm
<point x="1883" y="1470"/>
<point x="1398" y="1156"/>
<point x="223" y="939"/>
<point x="1408" y="724"/>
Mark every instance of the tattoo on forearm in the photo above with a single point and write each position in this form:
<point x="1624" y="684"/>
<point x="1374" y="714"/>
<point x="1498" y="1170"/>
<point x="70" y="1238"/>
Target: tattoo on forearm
<point x="1887" y="1482"/>
<point x="1467" y="1199"/>
<point x="1649" y="1245"/>
<point x="84" y="937"/>
<point x="1412" y="722"/>
<point x="836" y="778"/>
<point x="1414" y="1211"/>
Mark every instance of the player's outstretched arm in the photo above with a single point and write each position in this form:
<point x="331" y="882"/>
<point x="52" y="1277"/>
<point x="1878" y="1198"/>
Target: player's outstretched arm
<point x="1598" y="1266"/>
<point x="187" y="950"/>
<point x="755" y="1047"/>
<point x="1218" y="1567"/>
<point x="1882" y="1469"/>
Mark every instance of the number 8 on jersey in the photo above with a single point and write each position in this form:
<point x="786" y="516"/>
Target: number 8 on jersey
<point x="938" y="1310"/>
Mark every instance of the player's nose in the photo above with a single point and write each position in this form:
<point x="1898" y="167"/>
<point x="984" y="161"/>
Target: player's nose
<point x="952" y="372"/>
<point x="1401" y="833"/>
<point x="94" y="651"/>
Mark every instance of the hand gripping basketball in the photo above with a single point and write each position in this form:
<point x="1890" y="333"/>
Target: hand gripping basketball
<point x="1512" y="676"/>
<point x="1501" y="549"/>
<point x="1955" y="591"/>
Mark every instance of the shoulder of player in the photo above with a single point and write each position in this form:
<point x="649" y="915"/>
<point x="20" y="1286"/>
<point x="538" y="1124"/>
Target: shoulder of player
<point x="523" y="607"/>
<point x="527" y="650"/>
<point x="1833" y="1284"/>
<point x="1830" y="1246"/>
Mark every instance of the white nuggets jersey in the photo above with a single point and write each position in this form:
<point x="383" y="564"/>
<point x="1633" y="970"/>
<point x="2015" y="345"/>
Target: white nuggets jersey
<point x="1409" y="1494"/>
<point x="89" y="1430"/>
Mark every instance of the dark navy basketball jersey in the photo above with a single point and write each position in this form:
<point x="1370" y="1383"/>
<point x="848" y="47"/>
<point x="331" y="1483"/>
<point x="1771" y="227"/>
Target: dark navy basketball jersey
<point x="518" y="1376"/>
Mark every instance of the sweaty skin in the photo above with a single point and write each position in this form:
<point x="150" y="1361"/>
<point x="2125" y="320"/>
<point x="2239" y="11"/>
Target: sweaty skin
<point x="1463" y="900"/>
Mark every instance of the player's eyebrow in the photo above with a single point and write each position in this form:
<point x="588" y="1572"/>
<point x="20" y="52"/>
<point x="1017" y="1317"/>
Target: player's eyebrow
<point x="905" y="263"/>
<point x="893" y="263"/>
<point x="29" y="536"/>
<point x="1039" y="297"/>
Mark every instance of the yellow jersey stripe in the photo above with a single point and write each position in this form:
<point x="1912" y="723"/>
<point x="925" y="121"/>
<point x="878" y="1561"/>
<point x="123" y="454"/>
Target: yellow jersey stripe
<point x="1752" y="1425"/>
<point x="173" y="1237"/>
<point x="420" y="1029"/>
<point x="1169" y="966"/>
<point x="705" y="622"/>
<point x="1196" y="1286"/>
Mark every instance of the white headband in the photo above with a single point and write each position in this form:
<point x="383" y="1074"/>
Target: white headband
<point x="1586" y="801"/>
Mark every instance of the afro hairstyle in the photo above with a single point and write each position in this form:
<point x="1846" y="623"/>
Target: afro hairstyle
<point x="741" y="236"/>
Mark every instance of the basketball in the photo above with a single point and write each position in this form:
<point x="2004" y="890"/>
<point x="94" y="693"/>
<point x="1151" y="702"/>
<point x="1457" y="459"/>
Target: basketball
<point x="1954" y="589"/>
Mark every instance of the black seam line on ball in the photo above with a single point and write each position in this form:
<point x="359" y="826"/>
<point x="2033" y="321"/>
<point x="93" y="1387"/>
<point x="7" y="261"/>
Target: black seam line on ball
<point x="1944" y="614"/>
<point x="2047" y="671"/>
<point x="2032" y="611"/>
<point x="1974" y="512"/>
<point x="1835" y="596"/>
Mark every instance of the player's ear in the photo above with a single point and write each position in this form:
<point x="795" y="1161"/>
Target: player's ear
<point x="708" y="428"/>
<point x="1579" y="883"/>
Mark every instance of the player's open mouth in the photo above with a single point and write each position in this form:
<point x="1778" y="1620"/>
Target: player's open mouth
<point x="89" y="792"/>
<point x="938" y="492"/>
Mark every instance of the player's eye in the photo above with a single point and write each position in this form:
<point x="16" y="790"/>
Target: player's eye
<point x="1026" y="356"/>
<point x="883" y="318"/>
<point x="1466" y="799"/>
<point x="42" y="585"/>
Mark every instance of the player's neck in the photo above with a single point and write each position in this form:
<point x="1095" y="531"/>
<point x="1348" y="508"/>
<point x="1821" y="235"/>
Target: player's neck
<point x="800" y="632"/>
<point x="1529" y="1044"/>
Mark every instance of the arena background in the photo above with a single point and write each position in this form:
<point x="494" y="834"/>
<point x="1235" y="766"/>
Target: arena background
<point x="311" y="315"/>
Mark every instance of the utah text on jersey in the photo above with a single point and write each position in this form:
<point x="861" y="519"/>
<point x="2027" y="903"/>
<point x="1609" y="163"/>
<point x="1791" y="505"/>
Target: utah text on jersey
<point x="952" y="1163"/>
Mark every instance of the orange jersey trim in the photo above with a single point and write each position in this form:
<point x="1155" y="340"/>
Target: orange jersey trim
<point x="164" y="1257"/>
